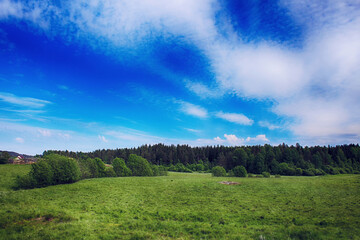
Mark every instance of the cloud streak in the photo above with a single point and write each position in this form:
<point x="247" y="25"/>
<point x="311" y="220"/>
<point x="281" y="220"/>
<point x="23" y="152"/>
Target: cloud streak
<point x="237" y="118"/>
<point x="23" y="101"/>
<point x="193" y="110"/>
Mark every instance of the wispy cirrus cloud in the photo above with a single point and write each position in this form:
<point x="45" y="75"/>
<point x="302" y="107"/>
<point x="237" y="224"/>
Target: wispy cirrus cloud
<point x="237" y="118"/>
<point x="202" y="90"/>
<point x="193" y="110"/>
<point x="268" y="125"/>
<point x="103" y="139"/>
<point x="23" y="101"/>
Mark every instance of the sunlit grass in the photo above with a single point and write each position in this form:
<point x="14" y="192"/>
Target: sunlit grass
<point x="183" y="206"/>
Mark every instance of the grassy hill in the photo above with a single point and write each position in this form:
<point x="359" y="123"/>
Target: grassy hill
<point x="182" y="206"/>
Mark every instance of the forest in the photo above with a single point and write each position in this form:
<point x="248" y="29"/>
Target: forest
<point x="281" y="159"/>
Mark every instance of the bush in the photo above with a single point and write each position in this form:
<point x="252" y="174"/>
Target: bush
<point x="41" y="173"/>
<point x="4" y="157"/>
<point x="231" y="173"/>
<point x="110" y="172"/>
<point x="120" y="168"/>
<point x="162" y="171"/>
<point x="64" y="169"/>
<point x="309" y="172"/>
<point x="139" y="166"/>
<point x="24" y="182"/>
<point x="218" y="171"/>
<point x="277" y="176"/>
<point x="179" y="167"/>
<point x="298" y="171"/>
<point x="240" y="171"/>
<point x="250" y="175"/>
<point x="155" y="169"/>
<point x="100" y="166"/>
<point x="266" y="174"/>
<point x="53" y="169"/>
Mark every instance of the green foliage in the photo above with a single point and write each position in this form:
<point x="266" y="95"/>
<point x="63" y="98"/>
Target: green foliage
<point x="42" y="174"/>
<point x="240" y="171"/>
<point x="179" y="167"/>
<point x="24" y="182"/>
<point x="4" y="157"/>
<point x="100" y="166"/>
<point x="162" y="171"/>
<point x="120" y="168"/>
<point x="155" y="170"/>
<point x="277" y="176"/>
<point x="309" y="172"/>
<point x="64" y="170"/>
<point x="110" y="172"/>
<point x="218" y="171"/>
<point x="266" y="174"/>
<point x="256" y="159"/>
<point x="139" y="166"/>
<point x="53" y="169"/>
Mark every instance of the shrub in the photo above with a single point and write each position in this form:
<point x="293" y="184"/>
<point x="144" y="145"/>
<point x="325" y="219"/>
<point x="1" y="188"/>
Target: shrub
<point x="155" y="169"/>
<point x="53" y="169"/>
<point x="298" y="171"/>
<point x="110" y="172"/>
<point x="41" y="173"/>
<point x="162" y="171"/>
<point x="218" y="171"/>
<point x="120" y="168"/>
<point x="309" y="172"/>
<point x="179" y="167"/>
<point x="100" y="165"/>
<point x="84" y="168"/>
<point x="139" y="166"/>
<point x="250" y="175"/>
<point x="231" y="173"/>
<point x="200" y="167"/>
<point x="4" y="157"/>
<point x="266" y="174"/>
<point x="277" y="176"/>
<point x="240" y="171"/>
<point x="64" y="169"/>
<point x="24" y="182"/>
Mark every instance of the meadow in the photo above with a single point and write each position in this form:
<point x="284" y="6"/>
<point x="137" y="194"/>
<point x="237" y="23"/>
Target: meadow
<point x="182" y="206"/>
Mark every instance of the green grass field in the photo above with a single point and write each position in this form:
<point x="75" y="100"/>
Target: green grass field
<point x="182" y="206"/>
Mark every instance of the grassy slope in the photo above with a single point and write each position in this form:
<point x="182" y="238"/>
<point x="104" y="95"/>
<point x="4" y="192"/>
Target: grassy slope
<point x="184" y="206"/>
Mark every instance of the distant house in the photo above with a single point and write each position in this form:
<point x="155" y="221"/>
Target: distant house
<point x="22" y="160"/>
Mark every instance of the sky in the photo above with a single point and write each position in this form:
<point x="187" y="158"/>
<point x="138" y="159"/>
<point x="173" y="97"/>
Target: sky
<point x="82" y="75"/>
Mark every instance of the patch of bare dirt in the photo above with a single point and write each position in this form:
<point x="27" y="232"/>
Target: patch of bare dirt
<point x="229" y="183"/>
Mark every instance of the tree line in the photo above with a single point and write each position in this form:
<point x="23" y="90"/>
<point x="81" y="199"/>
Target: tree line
<point x="281" y="159"/>
<point x="54" y="169"/>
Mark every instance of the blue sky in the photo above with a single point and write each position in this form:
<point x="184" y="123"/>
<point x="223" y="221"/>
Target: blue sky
<point x="86" y="75"/>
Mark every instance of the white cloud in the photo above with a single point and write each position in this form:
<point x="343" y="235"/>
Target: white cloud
<point x="102" y="138"/>
<point x="10" y="8"/>
<point x="19" y="140"/>
<point x="202" y="91"/>
<point x="192" y="130"/>
<point x="233" y="140"/>
<point x="23" y="101"/>
<point x="259" y="138"/>
<point x="193" y="110"/>
<point x="268" y="125"/>
<point x="237" y="118"/>
<point x="316" y="85"/>
<point x="45" y="132"/>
